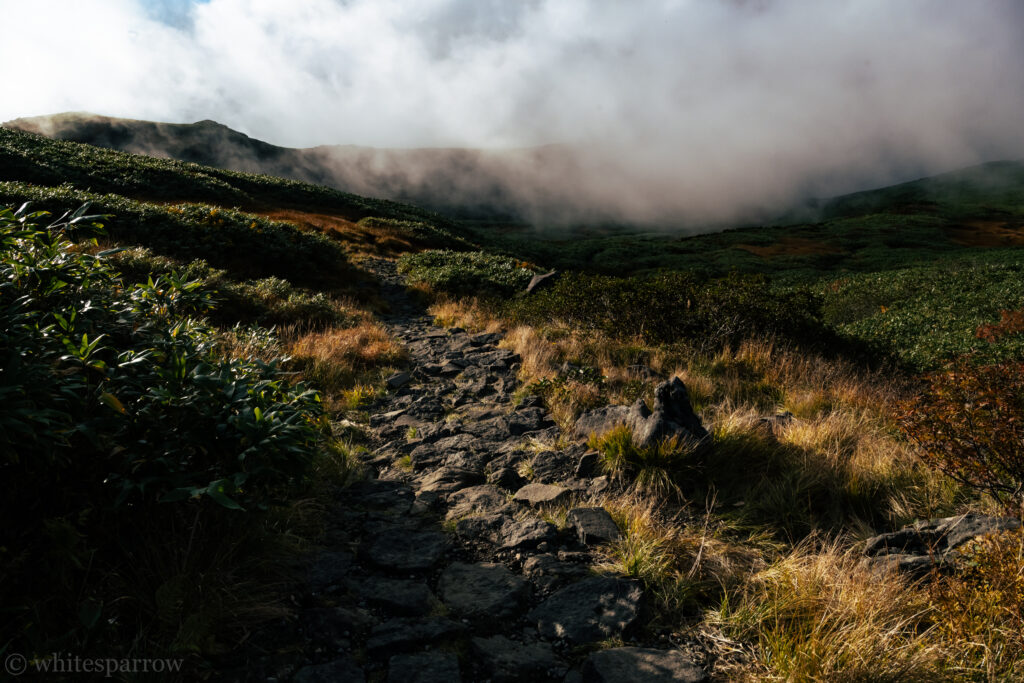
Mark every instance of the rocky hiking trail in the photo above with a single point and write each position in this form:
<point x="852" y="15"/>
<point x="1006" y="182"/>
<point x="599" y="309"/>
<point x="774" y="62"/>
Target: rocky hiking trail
<point x="442" y="566"/>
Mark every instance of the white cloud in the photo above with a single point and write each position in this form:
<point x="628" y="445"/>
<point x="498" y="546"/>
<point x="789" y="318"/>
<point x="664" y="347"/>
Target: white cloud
<point x="698" y="106"/>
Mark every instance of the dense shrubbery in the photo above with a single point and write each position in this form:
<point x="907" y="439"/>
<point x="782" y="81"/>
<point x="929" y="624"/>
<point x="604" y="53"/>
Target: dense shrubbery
<point x="268" y="301"/>
<point x="969" y="423"/>
<point x="927" y="316"/>
<point x="247" y="245"/>
<point x="467" y="273"/>
<point x="675" y="307"/>
<point x="113" y="405"/>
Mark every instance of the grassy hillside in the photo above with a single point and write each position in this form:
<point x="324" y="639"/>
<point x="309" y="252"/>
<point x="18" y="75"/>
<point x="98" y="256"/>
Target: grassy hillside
<point x="154" y="309"/>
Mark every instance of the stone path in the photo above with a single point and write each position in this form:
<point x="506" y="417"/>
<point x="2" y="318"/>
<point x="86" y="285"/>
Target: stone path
<point x="443" y="567"/>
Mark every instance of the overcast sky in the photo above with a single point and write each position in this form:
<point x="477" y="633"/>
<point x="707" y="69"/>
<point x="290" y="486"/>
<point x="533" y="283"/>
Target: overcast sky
<point x="768" y="98"/>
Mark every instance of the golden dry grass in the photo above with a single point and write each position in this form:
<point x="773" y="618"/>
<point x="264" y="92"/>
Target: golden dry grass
<point x="819" y="614"/>
<point x="464" y="313"/>
<point x="335" y="359"/>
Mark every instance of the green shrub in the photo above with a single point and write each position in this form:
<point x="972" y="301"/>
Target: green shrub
<point x="651" y="469"/>
<point x="245" y="245"/>
<point x="115" y="409"/>
<point x="675" y="307"/>
<point x="467" y="273"/>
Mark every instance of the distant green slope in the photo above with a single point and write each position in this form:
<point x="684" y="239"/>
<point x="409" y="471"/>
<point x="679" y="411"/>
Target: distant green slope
<point x="992" y="190"/>
<point x="30" y="158"/>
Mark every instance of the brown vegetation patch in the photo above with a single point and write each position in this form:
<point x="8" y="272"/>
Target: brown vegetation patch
<point x="791" y="246"/>
<point x="987" y="234"/>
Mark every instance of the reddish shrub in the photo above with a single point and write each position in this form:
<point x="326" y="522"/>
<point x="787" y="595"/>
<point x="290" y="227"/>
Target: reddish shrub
<point x="969" y="423"/>
<point x="1011" y="322"/>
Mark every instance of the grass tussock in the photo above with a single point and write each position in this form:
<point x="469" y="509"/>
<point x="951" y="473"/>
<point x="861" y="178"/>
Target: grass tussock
<point x="334" y="359"/>
<point x="468" y="314"/>
<point x="684" y="560"/>
<point x="818" y="614"/>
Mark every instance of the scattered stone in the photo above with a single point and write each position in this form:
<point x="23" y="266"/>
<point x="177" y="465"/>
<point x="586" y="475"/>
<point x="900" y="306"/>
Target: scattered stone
<point x="593" y="525"/>
<point x="398" y="380"/>
<point x="450" y="479"/>
<point x="629" y="664"/>
<point x="331" y="626"/>
<point x="429" y="667"/>
<point x="541" y="494"/>
<point x="329" y="570"/>
<point x="485" y="338"/>
<point x="400" y="634"/>
<point x="344" y="669"/>
<point x="527" y="420"/>
<point x="486" y="527"/>
<point x="529" y="532"/>
<point x="476" y="500"/>
<point x="507" y="478"/>
<point x="552" y="466"/>
<point x="600" y="420"/>
<point x="393" y="497"/>
<point x="588" y="464"/>
<point x="590" y="610"/>
<point x="484" y="590"/>
<point x="917" y="548"/>
<point x="398" y="596"/>
<point x="672" y="416"/>
<point x="407" y="551"/>
<point x="507" y="661"/>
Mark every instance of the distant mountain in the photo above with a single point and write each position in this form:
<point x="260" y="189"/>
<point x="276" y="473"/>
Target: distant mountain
<point x="462" y="183"/>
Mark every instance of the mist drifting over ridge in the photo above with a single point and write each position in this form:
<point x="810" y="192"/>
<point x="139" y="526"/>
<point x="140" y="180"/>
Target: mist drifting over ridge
<point x="695" y="111"/>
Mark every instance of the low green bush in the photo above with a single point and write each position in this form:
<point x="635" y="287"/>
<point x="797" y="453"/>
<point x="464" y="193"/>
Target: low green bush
<point x="467" y="273"/>
<point x="676" y="307"/>
<point x="115" y="409"/>
<point x="245" y="245"/>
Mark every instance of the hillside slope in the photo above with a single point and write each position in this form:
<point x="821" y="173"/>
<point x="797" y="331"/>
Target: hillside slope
<point x="467" y="183"/>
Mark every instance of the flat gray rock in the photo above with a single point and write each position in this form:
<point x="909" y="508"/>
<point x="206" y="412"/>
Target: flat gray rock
<point x="398" y="596"/>
<point x="399" y="634"/>
<point x="398" y="380"/>
<point x="344" y="669"/>
<point x="476" y="500"/>
<point x="541" y="494"/>
<point x="405" y="551"/>
<point x="526" y="533"/>
<point x="508" y="661"/>
<point x="590" y="610"/>
<point x="330" y="569"/>
<point x="427" y="667"/>
<point x="450" y="479"/>
<point x="631" y="664"/>
<point x="482" y="590"/>
<point x="593" y="525"/>
<point x="917" y="548"/>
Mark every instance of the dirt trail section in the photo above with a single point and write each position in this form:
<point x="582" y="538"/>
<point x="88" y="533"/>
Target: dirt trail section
<point x="468" y="555"/>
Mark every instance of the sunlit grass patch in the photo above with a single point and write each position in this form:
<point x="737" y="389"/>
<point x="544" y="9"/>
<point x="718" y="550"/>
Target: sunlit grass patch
<point x="334" y="359"/>
<point x="818" y="614"/>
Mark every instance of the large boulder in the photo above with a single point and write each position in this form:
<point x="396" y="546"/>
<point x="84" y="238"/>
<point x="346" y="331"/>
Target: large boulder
<point x="671" y="416"/>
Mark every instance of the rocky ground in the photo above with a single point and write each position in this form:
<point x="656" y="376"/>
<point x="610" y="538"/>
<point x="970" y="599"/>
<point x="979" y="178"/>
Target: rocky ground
<point x="448" y="564"/>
